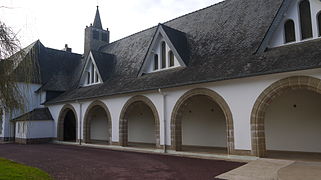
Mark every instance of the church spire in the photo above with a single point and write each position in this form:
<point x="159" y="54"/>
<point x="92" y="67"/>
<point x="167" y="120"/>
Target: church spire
<point x="95" y="35"/>
<point x="97" y="22"/>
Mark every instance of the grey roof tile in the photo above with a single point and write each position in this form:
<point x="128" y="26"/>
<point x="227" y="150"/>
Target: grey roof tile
<point x="54" y="69"/>
<point x="221" y="40"/>
<point x="38" y="114"/>
<point x="105" y="63"/>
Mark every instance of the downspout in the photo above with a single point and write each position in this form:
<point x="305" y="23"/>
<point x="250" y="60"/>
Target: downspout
<point x="164" y="119"/>
<point x="80" y="120"/>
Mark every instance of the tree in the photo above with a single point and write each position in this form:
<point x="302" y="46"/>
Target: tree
<point x="14" y="67"/>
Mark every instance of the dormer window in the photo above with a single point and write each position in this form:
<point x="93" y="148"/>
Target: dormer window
<point x="289" y="31"/>
<point x="155" y="62"/>
<point x="163" y="55"/>
<point x="300" y="22"/>
<point x="171" y="58"/>
<point x="162" y="58"/>
<point x="92" y="75"/>
<point x="96" y="78"/>
<point x="305" y="19"/>
<point x="88" y="77"/>
<point x="165" y="51"/>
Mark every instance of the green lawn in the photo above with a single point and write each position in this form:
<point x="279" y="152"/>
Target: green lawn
<point x="13" y="171"/>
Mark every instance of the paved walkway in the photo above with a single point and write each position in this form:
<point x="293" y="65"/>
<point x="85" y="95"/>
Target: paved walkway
<point x="74" y="162"/>
<point x="273" y="169"/>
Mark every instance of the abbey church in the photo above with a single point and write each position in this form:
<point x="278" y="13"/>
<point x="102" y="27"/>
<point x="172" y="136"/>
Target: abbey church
<point x="240" y="77"/>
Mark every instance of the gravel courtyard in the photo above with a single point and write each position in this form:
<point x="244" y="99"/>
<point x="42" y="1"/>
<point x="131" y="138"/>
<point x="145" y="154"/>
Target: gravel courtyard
<point x="75" y="162"/>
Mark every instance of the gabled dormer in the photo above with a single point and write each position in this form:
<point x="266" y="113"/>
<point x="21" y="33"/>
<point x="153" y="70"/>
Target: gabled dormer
<point x="90" y="74"/>
<point x="299" y="20"/>
<point x="168" y="50"/>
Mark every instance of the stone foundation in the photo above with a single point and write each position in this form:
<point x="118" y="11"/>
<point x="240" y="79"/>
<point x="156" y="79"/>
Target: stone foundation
<point x="6" y="139"/>
<point x="33" y="141"/>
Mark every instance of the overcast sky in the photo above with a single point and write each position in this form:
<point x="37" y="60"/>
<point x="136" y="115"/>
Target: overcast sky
<point x="59" y="22"/>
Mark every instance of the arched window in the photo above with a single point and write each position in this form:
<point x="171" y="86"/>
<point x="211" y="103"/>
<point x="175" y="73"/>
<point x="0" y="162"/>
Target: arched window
<point x="319" y="23"/>
<point x="163" y="55"/>
<point x="92" y="73"/>
<point x="171" y="58"/>
<point x="289" y="31"/>
<point x="88" y="77"/>
<point x="155" y="62"/>
<point x="305" y="19"/>
<point x="96" y="77"/>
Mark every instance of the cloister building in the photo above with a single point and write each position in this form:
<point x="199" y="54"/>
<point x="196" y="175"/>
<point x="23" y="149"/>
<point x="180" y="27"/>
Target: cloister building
<point x="240" y="77"/>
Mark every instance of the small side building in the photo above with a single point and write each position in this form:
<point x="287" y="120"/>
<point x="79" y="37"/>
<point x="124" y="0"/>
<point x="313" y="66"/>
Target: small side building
<point x="36" y="126"/>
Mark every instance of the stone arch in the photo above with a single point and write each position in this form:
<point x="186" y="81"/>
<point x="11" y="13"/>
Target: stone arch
<point x="86" y="126"/>
<point x="123" y="121"/>
<point x="60" y="127"/>
<point x="265" y="99"/>
<point x="181" y="104"/>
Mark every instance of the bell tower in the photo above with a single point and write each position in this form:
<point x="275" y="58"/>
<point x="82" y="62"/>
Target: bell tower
<point x="95" y="35"/>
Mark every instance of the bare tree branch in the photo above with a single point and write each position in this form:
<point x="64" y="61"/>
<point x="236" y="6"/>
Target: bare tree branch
<point x="15" y="66"/>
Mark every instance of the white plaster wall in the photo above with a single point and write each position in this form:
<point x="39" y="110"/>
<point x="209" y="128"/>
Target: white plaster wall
<point x="99" y="125"/>
<point x="54" y="111"/>
<point x="7" y="126"/>
<point x="141" y="124"/>
<point x="315" y="9"/>
<point x="21" y="129"/>
<point x="278" y="38"/>
<point x="31" y="101"/>
<point x="203" y="124"/>
<point x="239" y="94"/>
<point x="40" y="129"/>
<point x="34" y="129"/>
<point x="43" y="96"/>
<point x="115" y="105"/>
<point x="2" y="120"/>
<point x="290" y="128"/>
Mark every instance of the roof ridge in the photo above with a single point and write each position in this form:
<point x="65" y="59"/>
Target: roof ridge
<point x="196" y="11"/>
<point x="164" y="23"/>
<point x="62" y="51"/>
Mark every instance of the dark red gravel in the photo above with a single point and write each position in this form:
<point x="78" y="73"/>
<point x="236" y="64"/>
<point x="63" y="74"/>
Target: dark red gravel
<point x="74" y="162"/>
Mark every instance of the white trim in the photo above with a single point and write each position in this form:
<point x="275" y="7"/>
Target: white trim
<point x="150" y="54"/>
<point x="83" y="81"/>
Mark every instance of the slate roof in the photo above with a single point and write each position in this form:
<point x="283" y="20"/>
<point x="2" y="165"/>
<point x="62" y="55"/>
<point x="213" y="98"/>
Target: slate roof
<point x="222" y="41"/>
<point x="105" y="64"/>
<point x="39" y="114"/>
<point x="54" y="69"/>
<point x="179" y="41"/>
